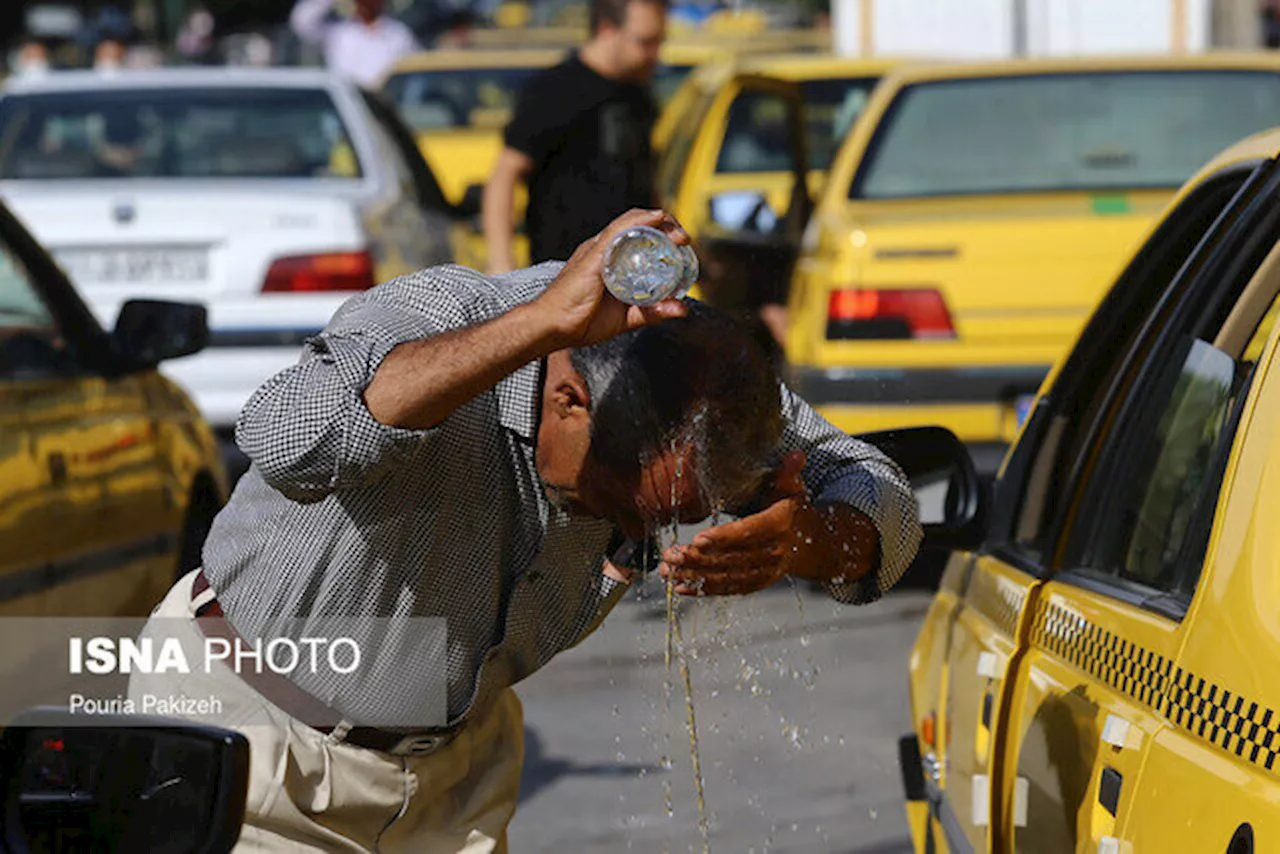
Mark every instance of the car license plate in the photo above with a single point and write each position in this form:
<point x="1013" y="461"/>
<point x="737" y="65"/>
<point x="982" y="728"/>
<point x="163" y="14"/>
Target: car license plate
<point x="136" y="266"/>
<point x="1022" y="408"/>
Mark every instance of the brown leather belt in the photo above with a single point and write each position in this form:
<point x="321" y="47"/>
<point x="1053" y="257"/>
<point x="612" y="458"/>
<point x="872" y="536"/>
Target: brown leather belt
<point x="300" y="705"/>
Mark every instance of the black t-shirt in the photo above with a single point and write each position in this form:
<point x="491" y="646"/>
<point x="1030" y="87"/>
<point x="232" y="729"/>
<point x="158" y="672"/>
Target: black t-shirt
<point x="588" y="137"/>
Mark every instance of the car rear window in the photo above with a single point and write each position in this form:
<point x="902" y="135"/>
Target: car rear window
<point x="1062" y="132"/>
<point x="175" y="133"/>
<point x="457" y="98"/>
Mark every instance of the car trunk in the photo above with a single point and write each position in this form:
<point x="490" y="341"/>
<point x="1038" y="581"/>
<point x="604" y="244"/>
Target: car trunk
<point x="1018" y="274"/>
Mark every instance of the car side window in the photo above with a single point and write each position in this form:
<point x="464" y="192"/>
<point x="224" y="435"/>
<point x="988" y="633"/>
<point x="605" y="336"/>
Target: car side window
<point x="32" y="341"/>
<point x="1155" y="474"/>
<point x="1155" y="489"/>
<point x="1036" y="487"/>
<point x="757" y="136"/>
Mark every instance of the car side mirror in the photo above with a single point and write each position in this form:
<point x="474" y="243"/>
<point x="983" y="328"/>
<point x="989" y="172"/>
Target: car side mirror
<point x="472" y="202"/>
<point x="150" y="331"/>
<point x="126" y="783"/>
<point x="952" y="497"/>
<point x="743" y="211"/>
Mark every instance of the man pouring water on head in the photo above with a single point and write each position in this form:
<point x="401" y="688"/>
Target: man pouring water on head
<point x="491" y="451"/>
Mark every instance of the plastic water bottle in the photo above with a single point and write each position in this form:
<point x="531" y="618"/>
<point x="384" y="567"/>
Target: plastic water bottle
<point x="642" y="266"/>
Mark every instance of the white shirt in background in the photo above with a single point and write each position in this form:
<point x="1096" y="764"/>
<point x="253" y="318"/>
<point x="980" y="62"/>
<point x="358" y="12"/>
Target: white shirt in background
<point x="353" y="49"/>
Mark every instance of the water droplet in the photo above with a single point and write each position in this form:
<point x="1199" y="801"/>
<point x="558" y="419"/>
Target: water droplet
<point x="804" y="641"/>
<point x="621" y="757"/>
<point x="617" y="710"/>
<point x="872" y="813"/>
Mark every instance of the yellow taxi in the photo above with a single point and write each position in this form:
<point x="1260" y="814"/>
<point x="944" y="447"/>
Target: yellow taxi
<point x="973" y="216"/>
<point x="109" y="477"/>
<point x="1098" y="671"/>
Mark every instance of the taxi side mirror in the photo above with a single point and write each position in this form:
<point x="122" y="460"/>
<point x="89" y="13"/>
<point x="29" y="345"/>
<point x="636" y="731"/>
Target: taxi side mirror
<point x="952" y="497"/>
<point x="124" y="783"/>
<point x="743" y="210"/>
<point x="148" y="332"/>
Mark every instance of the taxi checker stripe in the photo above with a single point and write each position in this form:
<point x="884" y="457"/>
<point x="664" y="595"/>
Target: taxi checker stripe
<point x="1226" y="720"/>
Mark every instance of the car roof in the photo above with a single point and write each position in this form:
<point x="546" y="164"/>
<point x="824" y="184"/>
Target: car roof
<point x="175" y="78"/>
<point x="818" y="66"/>
<point x="1260" y="146"/>
<point x="919" y="72"/>
<point x="469" y="58"/>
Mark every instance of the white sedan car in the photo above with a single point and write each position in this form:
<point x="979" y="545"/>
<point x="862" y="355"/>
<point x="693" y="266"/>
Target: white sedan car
<point x="270" y="195"/>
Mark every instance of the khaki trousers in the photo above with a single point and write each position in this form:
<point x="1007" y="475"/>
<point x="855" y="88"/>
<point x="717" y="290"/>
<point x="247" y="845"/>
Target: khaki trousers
<point x="309" y="792"/>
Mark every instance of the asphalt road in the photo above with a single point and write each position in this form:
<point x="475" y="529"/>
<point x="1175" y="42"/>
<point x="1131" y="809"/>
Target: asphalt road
<point x="799" y="703"/>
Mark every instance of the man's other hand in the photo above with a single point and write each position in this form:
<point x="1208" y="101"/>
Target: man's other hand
<point x="791" y="536"/>
<point x="579" y="307"/>
<point x="748" y="554"/>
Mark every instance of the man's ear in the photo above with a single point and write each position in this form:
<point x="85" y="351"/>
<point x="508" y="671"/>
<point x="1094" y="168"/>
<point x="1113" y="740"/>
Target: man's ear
<point x="569" y="397"/>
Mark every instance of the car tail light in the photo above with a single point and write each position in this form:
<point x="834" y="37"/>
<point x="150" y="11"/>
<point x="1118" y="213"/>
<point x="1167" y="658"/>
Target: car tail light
<point x="869" y="313"/>
<point x="332" y="271"/>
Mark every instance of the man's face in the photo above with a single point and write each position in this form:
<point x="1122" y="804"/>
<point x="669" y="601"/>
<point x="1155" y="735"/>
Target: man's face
<point x="637" y="501"/>
<point x="636" y="43"/>
<point x="665" y="491"/>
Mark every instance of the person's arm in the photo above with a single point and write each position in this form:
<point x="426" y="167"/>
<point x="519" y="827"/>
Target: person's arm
<point x="309" y="19"/>
<point x="842" y="513"/>
<point x="398" y="360"/>
<point x="498" y="208"/>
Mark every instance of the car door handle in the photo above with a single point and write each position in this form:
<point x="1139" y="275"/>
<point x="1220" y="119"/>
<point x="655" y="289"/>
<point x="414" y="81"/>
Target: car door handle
<point x="1109" y="790"/>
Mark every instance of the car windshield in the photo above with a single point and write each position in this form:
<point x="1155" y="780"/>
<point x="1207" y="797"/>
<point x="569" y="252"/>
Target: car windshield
<point x="457" y="98"/>
<point x="175" y="133"/>
<point x="831" y="106"/>
<point x="1047" y="133"/>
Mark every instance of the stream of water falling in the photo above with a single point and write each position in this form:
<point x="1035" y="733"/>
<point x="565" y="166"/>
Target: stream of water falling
<point x="676" y="642"/>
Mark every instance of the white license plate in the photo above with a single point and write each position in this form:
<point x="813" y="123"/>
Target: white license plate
<point x="135" y="266"/>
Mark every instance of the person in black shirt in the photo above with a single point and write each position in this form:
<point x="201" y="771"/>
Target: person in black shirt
<point x="579" y="138"/>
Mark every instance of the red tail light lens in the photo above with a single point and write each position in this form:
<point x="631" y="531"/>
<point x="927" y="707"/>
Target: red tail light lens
<point x="868" y="313"/>
<point x="334" y="271"/>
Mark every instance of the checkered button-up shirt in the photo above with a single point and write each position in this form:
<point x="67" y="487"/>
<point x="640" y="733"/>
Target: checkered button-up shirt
<point x="341" y="515"/>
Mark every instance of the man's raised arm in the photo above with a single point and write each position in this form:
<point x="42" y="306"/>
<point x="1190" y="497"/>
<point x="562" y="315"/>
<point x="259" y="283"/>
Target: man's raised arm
<point x="397" y="361"/>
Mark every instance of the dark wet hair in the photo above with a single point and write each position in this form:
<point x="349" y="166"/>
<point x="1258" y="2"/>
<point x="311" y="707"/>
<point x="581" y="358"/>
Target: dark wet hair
<point x="614" y="12"/>
<point x="702" y="380"/>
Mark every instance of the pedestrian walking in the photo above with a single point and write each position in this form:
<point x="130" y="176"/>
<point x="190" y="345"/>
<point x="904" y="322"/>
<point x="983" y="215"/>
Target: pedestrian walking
<point x="495" y="452"/>
<point x="360" y="48"/>
<point x="579" y="138"/>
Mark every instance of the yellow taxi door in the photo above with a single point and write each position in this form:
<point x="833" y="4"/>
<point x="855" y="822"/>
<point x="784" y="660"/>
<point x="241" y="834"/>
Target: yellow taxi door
<point x="88" y="523"/>
<point x="1118" y="469"/>
<point x="1209" y="782"/>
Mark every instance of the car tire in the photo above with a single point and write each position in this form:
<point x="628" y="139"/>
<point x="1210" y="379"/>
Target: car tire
<point x="201" y="510"/>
